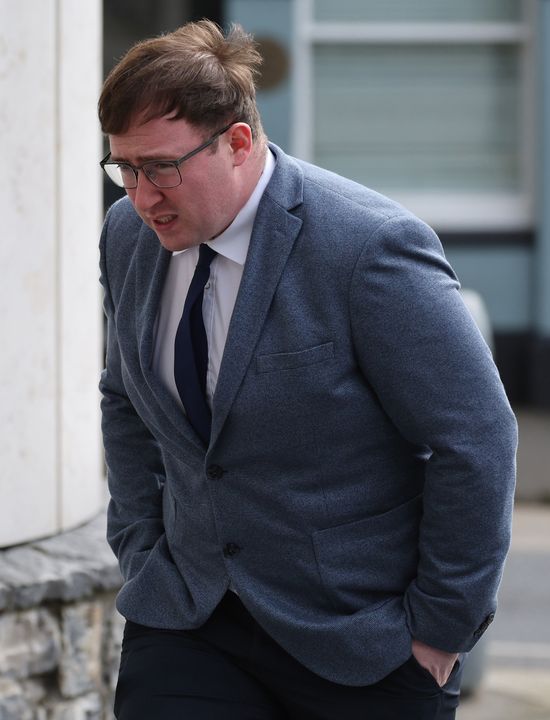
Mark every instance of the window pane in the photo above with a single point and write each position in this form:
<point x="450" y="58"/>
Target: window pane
<point x="419" y="118"/>
<point x="417" y="10"/>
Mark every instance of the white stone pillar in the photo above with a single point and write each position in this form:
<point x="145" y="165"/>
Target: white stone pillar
<point x="50" y="211"/>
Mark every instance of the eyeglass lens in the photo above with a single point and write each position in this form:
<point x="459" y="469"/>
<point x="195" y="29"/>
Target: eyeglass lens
<point x="162" y="174"/>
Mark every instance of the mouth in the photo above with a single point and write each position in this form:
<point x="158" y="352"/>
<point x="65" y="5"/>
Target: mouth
<point x="163" y="221"/>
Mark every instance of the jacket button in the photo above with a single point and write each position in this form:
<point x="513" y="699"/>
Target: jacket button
<point x="231" y="549"/>
<point x="484" y="625"/>
<point x="214" y="472"/>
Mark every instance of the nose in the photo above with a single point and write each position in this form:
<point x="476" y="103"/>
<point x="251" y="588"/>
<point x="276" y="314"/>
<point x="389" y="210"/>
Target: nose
<point x="145" y="195"/>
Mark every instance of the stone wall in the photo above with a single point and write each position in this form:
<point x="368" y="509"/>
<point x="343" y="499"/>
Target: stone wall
<point x="59" y="630"/>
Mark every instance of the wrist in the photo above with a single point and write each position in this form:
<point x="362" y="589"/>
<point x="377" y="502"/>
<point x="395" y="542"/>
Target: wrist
<point x="439" y="663"/>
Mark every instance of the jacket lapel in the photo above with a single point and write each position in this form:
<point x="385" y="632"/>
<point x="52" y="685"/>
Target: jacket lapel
<point x="275" y="231"/>
<point x="152" y="261"/>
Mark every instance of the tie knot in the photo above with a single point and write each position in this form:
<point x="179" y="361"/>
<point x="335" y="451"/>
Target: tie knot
<point x="206" y="255"/>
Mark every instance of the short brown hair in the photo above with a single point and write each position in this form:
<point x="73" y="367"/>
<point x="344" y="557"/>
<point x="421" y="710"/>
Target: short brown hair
<point x="195" y="73"/>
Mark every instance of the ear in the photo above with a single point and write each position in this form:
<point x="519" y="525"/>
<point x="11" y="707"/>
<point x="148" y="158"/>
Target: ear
<point x="240" y="142"/>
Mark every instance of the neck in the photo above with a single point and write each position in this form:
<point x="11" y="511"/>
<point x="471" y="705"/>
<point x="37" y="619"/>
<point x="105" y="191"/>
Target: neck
<point x="257" y="164"/>
<point x="254" y="170"/>
<point x="251" y="174"/>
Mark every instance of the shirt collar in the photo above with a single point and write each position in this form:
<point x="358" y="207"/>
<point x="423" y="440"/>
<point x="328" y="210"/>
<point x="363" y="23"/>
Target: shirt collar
<point x="233" y="242"/>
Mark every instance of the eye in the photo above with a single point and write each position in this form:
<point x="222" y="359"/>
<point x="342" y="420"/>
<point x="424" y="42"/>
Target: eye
<point x="155" y="169"/>
<point x="126" y="172"/>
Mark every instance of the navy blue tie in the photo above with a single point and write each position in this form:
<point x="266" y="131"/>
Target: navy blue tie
<point x="191" y="350"/>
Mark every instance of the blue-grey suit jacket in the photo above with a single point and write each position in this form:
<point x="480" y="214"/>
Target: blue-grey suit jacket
<point x="362" y="456"/>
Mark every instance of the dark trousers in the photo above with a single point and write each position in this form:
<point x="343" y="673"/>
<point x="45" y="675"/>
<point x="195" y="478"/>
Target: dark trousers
<point x="230" y="669"/>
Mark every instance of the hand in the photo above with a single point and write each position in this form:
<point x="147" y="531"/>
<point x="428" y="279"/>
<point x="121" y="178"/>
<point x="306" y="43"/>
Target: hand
<point x="437" y="662"/>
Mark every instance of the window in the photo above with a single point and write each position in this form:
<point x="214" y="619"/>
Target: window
<point x="427" y="102"/>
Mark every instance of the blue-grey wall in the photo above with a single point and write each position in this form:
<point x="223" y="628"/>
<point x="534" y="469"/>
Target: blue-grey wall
<point x="273" y="19"/>
<point x="542" y="251"/>
<point x="504" y="278"/>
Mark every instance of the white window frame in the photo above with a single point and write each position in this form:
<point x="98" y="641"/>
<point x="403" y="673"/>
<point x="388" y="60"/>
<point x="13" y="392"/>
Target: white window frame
<point x="447" y="211"/>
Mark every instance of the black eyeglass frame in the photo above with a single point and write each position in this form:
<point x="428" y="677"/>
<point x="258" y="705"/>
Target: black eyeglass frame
<point x="176" y="163"/>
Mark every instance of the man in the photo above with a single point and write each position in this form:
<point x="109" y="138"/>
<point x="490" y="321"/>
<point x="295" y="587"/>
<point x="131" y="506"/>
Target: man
<point x="310" y="453"/>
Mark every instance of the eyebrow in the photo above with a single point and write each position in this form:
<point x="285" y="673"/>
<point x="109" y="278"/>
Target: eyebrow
<point x="141" y="159"/>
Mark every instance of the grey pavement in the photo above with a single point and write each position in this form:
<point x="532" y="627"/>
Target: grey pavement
<point x="515" y="681"/>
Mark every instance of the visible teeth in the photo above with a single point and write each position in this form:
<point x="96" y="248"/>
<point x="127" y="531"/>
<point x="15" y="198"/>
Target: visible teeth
<point x="165" y="219"/>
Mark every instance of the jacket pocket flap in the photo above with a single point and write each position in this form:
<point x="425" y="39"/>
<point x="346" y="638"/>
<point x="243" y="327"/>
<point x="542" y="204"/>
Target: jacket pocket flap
<point x="368" y="560"/>
<point x="290" y="360"/>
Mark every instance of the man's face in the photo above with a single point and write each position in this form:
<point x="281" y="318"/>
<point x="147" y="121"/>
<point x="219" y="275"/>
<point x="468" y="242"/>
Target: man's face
<point x="209" y="196"/>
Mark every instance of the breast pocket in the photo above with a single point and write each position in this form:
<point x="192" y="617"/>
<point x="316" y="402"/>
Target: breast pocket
<point x="297" y="359"/>
<point x="364" y="563"/>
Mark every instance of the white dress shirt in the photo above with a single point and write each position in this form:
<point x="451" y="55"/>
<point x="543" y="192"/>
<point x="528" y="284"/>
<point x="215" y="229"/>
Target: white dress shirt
<point x="220" y="292"/>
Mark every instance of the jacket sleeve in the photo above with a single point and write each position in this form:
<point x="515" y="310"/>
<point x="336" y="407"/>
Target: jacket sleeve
<point x="135" y="469"/>
<point x="420" y="349"/>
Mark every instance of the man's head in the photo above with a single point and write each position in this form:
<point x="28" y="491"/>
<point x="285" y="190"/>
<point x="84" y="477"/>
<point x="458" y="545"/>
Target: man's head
<point x="194" y="73"/>
<point x="188" y="99"/>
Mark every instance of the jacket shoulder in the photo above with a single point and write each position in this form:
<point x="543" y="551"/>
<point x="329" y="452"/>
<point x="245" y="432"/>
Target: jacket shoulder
<point x="349" y="195"/>
<point x="122" y="221"/>
<point x="119" y="240"/>
<point x="341" y="210"/>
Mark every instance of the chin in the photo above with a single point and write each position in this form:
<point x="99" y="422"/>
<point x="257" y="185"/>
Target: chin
<point x="174" y="243"/>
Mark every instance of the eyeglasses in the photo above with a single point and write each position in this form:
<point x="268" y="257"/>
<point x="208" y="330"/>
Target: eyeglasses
<point x="162" y="173"/>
